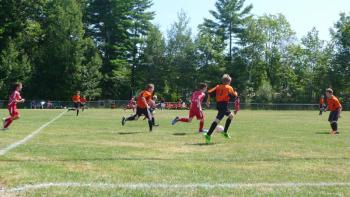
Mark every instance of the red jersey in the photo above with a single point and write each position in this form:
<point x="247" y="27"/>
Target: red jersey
<point x="83" y="100"/>
<point x="197" y="99"/>
<point x="14" y="98"/>
<point x="144" y="94"/>
<point x="333" y="103"/>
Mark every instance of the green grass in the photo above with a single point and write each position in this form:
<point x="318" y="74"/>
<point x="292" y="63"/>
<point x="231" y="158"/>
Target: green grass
<point x="266" y="147"/>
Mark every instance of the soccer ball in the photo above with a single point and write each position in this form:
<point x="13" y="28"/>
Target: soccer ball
<point x="219" y="129"/>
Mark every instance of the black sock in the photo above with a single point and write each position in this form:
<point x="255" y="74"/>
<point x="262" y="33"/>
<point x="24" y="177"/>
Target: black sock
<point x="150" y="124"/>
<point x="131" y="118"/>
<point x="77" y="112"/>
<point x="153" y="121"/>
<point x="227" y="124"/>
<point x="334" y="126"/>
<point x="212" y="128"/>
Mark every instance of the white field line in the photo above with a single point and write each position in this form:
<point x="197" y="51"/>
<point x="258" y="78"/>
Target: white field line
<point x="30" y="136"/>
<point x="135" y="186"/>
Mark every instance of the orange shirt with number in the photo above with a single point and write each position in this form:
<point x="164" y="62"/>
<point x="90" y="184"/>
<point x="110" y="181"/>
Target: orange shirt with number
<point x="223" y="93"/>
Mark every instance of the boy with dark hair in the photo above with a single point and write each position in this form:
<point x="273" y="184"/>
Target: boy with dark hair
<point x="195" y="107"/>
<point x="14" y="98"/>
<point x="223" y="92"/>
<point x="143" y="107"/>
<point x="335" y="109"/>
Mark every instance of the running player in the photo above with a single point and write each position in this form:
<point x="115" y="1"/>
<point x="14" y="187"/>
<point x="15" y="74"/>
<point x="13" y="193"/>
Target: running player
<point x="143" y="107"/>
<point x="76" y="102"/>
<point x="335" y="109"/>
<point x="83" y="101"/>
<point x="131" y="104"/>
<point x="14" y="99"/>
<point x="195" y="107"/>
<point x="224" y="92"/>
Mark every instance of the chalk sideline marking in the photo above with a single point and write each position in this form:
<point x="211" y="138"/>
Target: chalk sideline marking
<point x="135" y="186"/>
<point x="30" y="136"/>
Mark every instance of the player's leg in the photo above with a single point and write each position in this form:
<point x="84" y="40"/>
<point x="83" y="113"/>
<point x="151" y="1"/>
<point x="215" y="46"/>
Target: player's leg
<point x="14" y="115"/>
<point x="200" y="117"/>
<point x="77" y="108"/>
<point x="227" y="124"/>
<point x="148" y="115"/>
<point x="333" y="120"/>
<point x="321" y="109"/>
<point x="186" y="120"/>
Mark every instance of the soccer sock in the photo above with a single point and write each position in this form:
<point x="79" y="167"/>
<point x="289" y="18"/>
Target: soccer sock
<point x="334" y="126"/>
<point x="227" y="124"/>
<point x="77" y="112"/>
<point x="201" y="125"/>
<point x="183" y="120"/>
<point x="8" y="122"/>
<point x="153" y="121"/>
<point x="131" y="118"/>
<point x="212" y="127"/>
<point x="150" y="124"/>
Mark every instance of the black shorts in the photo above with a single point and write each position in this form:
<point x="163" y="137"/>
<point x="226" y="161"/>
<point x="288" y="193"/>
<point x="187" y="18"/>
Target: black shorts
<point x="143" y="111"/>
<point x="82" y="104"/>
<point x="76" y="105"/>
<point x="223" y="110"/>
<point x="333" y="116"/>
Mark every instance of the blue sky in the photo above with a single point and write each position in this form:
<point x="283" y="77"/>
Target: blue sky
<point x="302" y="14"/>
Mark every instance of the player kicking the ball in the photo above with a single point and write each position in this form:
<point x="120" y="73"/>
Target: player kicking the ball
<point x="143" y="107"/>
<point x="195" y="107"/>
<point x="14" y="98"/>
<point x="335" y="109"/>
<point x="224" y="92"/>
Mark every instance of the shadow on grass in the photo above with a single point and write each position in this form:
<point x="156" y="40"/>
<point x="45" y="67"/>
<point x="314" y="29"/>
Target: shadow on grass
<point x="201" y="144"/>
<point x="179" y="134"/>
<point x="183" y="134"/>
<point x="128" y="133"/>
<point x="322" y="133"/>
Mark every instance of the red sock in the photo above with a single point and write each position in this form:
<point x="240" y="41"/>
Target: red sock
<point x="183" y="120"/>
<point x="8" y="122"/>
<point x="201" y="125"/>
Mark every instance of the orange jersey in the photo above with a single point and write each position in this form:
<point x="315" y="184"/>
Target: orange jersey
<point x="223" y="93"/>
<point x="76" y="99"/>
<point x="321" y="101"/>
<point x="333" y="103"/>
<point x="144" y="94"/>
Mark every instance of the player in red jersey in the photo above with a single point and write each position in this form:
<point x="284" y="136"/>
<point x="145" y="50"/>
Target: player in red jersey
<point x="195" y="107"/>
<point x="83" y="101"/>
<point x="131" y="104"/>
<point x="14" y="98"/>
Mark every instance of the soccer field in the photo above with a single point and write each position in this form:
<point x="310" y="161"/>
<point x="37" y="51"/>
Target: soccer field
<point x="273" y="153"/>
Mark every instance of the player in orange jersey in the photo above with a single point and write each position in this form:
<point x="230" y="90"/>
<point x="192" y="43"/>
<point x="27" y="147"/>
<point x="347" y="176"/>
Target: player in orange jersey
<point x="223" y="93"/>
<point x="335" y="109"/>
<point x="143" y="107"/>
<point x="76" y="103"/>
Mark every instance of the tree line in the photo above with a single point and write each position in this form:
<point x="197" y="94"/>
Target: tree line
<point x="109" y="49"/>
